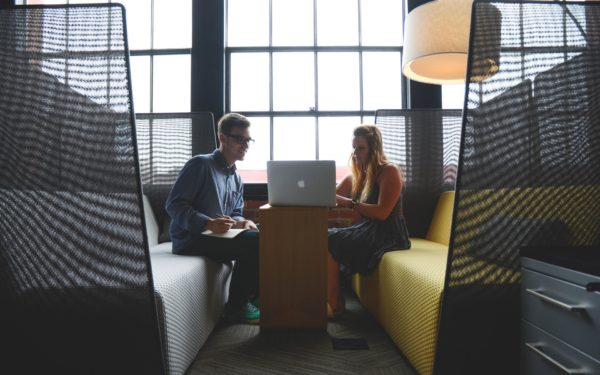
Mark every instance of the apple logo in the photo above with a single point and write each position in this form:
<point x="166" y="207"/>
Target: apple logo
<point x="301" y="184"/>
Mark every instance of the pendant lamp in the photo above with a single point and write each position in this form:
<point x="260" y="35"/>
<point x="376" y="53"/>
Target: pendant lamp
<point x="436" y="43"/>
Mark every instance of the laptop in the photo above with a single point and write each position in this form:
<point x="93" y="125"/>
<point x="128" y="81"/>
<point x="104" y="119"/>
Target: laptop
<point x="301" y="183"/>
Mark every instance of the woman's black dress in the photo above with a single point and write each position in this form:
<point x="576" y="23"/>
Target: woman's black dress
<point x="359" y="248"/>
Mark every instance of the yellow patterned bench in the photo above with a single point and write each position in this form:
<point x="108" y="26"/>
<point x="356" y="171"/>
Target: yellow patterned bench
<point x="405" y="291"/>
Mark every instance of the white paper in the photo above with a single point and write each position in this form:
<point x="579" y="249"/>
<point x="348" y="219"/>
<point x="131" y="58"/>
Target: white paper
<point x="229" y="234"/>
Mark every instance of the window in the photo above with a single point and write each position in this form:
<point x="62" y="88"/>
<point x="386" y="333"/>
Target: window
<point x="453" y="96"/>
<point x="306" y="72"/>
<point x="160" y="40"/>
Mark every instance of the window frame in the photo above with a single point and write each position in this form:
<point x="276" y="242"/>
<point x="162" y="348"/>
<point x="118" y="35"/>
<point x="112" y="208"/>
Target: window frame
<point x="315" y="50"/>
<point x="210" y="82"/>
<point x="151" y="52"/>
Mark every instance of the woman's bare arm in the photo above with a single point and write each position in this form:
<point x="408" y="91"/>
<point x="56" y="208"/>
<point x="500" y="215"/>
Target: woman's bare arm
<point x="390" y="188"/>
<point x="343" y="191"/>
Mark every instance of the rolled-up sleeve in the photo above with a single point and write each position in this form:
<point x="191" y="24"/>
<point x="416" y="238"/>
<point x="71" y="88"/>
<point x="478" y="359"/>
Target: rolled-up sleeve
<point x="179" y="204"/>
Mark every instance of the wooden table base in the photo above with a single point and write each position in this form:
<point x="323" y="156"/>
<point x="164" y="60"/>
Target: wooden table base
<point x="293" y="267"/>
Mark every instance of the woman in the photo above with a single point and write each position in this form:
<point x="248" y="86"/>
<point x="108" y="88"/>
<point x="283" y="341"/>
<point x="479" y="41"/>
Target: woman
<point x="374" y="190"/>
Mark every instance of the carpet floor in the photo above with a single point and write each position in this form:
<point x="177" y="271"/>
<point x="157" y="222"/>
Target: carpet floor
<point x="244" y="349"/>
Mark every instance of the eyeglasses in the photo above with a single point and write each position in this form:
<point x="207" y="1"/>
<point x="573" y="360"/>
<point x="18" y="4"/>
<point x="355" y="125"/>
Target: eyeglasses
<point x="240" y="139"/>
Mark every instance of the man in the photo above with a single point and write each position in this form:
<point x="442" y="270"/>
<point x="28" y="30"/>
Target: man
<point x="208" y="195"/>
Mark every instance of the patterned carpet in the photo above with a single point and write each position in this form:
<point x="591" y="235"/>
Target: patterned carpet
<point x="243" y="349"/>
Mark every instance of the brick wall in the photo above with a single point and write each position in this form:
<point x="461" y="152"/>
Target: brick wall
<point x="338" y="217"/>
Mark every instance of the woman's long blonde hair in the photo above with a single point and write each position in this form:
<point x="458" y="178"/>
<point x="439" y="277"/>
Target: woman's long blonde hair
<point x="377" y="159"/>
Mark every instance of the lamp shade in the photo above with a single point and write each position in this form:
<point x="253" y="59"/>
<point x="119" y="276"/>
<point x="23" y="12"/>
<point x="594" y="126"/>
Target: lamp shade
<point x="436" y="43"/>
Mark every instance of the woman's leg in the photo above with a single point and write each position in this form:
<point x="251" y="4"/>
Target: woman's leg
<point x="334" y="295"/>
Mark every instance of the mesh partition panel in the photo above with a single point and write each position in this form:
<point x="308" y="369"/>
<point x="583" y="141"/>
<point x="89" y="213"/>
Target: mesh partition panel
<point x="166" y="141"/>
<point x="529" y="172"/>
<point x="75" y="279"/>
<point x="425" y="143"/>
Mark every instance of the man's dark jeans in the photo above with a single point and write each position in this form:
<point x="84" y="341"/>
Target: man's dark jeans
<point x="243" y="249"/>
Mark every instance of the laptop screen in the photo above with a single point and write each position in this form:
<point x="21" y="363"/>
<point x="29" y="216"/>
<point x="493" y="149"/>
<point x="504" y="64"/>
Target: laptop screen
<point x="301" y="183"/>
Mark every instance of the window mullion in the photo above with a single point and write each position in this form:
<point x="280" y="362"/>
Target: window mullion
<point x="271" y="119"/>
<point x="360" y="62"/>
<point x="315" y="75"/>
<point x="151" y="56"/>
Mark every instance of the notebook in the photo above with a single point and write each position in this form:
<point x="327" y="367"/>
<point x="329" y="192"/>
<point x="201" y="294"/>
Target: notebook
<point x="301" y="183"/>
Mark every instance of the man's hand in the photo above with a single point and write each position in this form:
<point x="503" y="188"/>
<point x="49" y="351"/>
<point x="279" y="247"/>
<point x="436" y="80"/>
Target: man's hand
<point x="220" y="224"/>
<point x="246" y="224"/>
<point x="249" y="224"/>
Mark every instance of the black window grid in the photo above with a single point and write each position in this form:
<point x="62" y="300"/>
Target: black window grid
<point x="314" y="112"/>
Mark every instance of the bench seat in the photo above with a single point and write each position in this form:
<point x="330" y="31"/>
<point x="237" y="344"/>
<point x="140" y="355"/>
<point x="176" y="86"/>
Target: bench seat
<point x="190" y="293"/>
<point x="404" y="292"/>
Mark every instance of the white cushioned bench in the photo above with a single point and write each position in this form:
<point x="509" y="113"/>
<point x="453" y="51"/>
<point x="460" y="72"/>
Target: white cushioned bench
<point x="190" y="292"/>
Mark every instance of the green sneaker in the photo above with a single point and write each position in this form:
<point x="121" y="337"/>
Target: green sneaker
<point x="249" y="314"/>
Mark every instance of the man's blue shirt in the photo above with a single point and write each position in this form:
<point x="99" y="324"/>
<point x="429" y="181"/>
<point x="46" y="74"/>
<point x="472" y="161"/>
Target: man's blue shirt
<point x="205" y="187"/>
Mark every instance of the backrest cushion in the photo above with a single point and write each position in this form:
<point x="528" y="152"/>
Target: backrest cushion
<point x="157" y="196"/>
<point x="441" y="222"/>
<point x="151" y="224"/>
<point x="165" y="234"/>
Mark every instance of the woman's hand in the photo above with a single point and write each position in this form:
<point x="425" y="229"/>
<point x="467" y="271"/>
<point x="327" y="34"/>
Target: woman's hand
<point x="220" y="224"/>
<point x="343" y="201"/>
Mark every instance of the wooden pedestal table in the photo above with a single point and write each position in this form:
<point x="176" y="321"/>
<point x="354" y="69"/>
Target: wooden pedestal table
<point x="293" y="267"/>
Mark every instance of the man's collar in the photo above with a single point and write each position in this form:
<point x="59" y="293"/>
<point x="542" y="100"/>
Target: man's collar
<point x="220" y="159"/>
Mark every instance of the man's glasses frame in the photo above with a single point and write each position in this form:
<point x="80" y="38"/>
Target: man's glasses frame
<point x="240" y="139"/>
